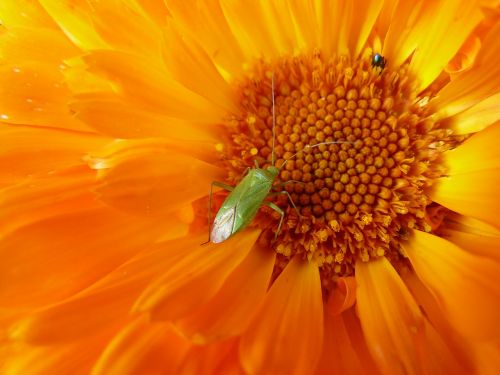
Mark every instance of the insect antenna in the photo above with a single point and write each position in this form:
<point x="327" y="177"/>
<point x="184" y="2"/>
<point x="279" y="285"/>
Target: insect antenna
<point x="274" y="117"/>
<point x="307" y="147"/>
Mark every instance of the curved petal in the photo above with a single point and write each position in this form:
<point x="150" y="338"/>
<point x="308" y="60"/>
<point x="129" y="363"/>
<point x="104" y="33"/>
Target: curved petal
<point x="465" y="285"/>
<point x="422" y="28"/>
<point x="342" y="297"/>
<point x="152" y="181"/>
<point x="477" y="117"/>
<point x="63" y="254"/>
<point x="472" y="235"/>
<point x="113" y="116"/>
<point x="107" y="302"/>
<point x="178" y="292"/>
<point x="145" y="83"/>
<point x="24" y="13"/>
<point x="230" y="310"/>
<point x="123" y="25"/>
<point x="219" y="358"/>
<point x="206" y="23"/>
<point x="37" y="44"/>
<point x="474" y="172"/>
<point x="285" y="336"/>
<point x="398" y="335"/>
<point x="474" y="85"/>
<point x="74" y="21"/>
<point x="142" y="347"/>
<point x="194" y="68"/>
<point x="458" y="345"/>
<point x="35" y="93"/>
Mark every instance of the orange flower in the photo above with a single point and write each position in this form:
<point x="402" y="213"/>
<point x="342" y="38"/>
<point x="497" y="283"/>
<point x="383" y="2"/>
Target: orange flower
<point x="117" y="115"/>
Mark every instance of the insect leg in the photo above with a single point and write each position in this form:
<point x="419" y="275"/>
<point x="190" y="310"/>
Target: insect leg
<point x="222" y="186"/>
<point x="289" y="197"/>
<point x="278" y="210"/>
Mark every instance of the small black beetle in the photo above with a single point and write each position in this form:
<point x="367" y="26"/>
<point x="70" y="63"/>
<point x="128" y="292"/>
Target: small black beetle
<point x="378" y="61"/>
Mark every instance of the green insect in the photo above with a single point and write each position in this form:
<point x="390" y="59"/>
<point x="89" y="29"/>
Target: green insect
<point x="242" y="204"/>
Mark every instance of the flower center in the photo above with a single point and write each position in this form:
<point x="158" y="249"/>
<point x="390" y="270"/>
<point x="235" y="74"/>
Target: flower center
<point x="355" y="199"/>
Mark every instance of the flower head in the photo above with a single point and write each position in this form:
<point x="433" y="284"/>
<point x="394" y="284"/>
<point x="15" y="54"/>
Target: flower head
<point x="356" y="139"/>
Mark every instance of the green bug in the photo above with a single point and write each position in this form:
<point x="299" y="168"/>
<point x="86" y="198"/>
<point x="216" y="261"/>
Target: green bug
<point x="242" y="204"/>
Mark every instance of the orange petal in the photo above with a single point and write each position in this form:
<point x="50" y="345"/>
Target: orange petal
<point x="474" y="85"/>
<point x="195" y="278"/>
<point x="75" y="357"/>
<point x="107" y="302"/>
<point x="39" y="152"/>
<point x="147" y="84"/>
<point x="63" y="254"/>
<point x="220" y="358"/>
<point x="148" y="181"/>
<point x="286" y="334"/>
<point x="142" y="347"/>
<point x="398" y="336"/>
<point x="339" y="356"/>
<point x="342" y="297"/>
<point x="194" y="68"/>
<point x="465" y="285"/>
<point x="487" y="355"/>
<point x="74" y="20"/>
<point x="115" y="117"/>
<point x="35" y="93"/>
<point x="230" y="310"/>
<point x="208" y="25"/>
<point x="473" y="173"/>
<point x="459" y="346"/>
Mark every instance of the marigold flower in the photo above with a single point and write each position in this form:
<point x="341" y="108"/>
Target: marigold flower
<point x="117" y="115"/>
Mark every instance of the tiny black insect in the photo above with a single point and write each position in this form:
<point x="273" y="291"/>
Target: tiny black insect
<point x="378" y="61"/>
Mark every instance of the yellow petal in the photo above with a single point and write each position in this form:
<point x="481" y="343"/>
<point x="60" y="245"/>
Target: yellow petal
<point x="285" y="336"/>
<point x="473" y="173"/>
<point x="123" y="25"/>
<point x="39" y="44"/>
<point x="194" y="68"/>
<point x="436" y="46"/>
<point x="207" y="24"/>
<point x="149" y="85"/>
<point x="474" y="85"/>
<point x="74" y="21"/>
<point x="477" y="117"/>
<point x="465" y="285"/>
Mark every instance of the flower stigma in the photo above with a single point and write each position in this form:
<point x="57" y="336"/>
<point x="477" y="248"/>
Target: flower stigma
<point x="357" y="199"/>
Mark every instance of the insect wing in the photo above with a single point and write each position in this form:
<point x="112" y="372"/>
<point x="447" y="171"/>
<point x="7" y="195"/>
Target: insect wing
<point x="223" y="225"/>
